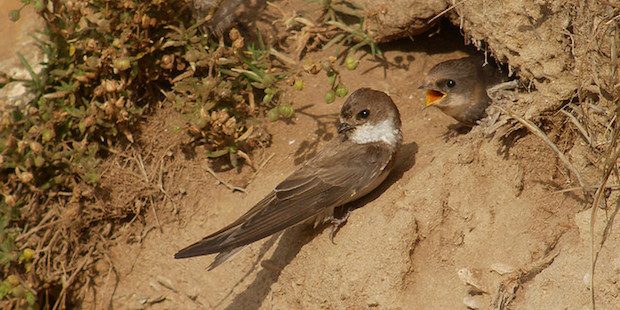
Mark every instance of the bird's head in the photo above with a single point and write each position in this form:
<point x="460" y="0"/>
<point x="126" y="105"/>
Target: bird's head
<point x="451" y="83"/>
<point x="370" y="116"/>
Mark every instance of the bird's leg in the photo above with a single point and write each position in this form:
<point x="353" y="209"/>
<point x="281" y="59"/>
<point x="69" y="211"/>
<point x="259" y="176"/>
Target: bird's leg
<point x="337" y="223"/>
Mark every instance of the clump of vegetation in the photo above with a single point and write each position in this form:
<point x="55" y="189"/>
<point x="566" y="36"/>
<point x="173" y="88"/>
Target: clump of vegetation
<point x="221" y="89"/>
<point x="110" y="65"/>
<point x="102" y="76"/>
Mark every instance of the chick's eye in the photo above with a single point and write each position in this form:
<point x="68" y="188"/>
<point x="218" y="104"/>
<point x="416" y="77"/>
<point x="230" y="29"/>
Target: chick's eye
<point x="450" y="83"/>
<point x="363" y="114"/>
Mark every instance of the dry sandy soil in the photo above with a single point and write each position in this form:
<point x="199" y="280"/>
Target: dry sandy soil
<point x="460" y="221"/>
<point x="470" y="220"/>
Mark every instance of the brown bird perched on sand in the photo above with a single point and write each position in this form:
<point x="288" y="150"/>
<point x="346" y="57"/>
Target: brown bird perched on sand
<point x="354" y="163"/>
<point x="458" y="88"/>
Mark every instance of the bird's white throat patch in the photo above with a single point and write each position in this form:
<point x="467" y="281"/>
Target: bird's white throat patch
<point x="382" y="131"/>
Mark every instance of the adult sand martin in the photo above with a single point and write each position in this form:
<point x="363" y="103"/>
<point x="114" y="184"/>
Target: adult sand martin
<point x="354" y="163"/>
<point x="458" y="88"/>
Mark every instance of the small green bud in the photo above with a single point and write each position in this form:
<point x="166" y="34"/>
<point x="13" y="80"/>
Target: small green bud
<point x="267" y="98"/>
<point x="271" y="90"/>
<point x="352" y="63"/>
<point x="298" y="85"/>
<point x="38" y="5"/>
<point x="122" y="63"/>
<point x="330" y="96"/>
<point x="331" y="78"/>
<point x="48" y="135"/>
<point x="273" y="114"/>
<point x="28" y="253"/>
<point x="341" y="90"/>
<point x="286" y="110"/>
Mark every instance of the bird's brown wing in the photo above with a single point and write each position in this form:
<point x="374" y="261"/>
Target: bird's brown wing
<point x="332" y="178"/>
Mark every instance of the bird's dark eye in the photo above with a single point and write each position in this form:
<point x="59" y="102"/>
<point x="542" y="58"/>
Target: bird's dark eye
<point x="363" y="114"/>
<point x="450" y="83"/>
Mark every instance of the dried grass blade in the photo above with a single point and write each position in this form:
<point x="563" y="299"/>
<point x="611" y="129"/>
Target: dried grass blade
<point x="535" y="130"/>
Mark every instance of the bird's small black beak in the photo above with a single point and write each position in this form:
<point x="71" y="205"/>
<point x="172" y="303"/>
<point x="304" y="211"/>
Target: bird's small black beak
<point x="345" y="127"/>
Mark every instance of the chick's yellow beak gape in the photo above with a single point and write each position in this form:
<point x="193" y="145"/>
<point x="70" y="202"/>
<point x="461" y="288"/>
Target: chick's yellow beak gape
<point x="433" y="95"/>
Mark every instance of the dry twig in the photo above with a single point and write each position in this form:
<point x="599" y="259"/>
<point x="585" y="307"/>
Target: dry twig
<point x="508" y="288"/>
<point x="67" y="282"/>
<point x="217" y="178"/>
<point x="610" y="165"/>
<point x="444" y="12"/>
<point x="581" y="129"/>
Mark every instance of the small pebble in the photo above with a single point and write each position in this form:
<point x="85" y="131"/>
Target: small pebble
<point x="472" y="302"/>
<point x="502" y="269"/>
<point x="167" y="283"/>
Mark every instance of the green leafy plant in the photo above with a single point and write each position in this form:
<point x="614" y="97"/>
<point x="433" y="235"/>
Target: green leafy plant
<point x="219" y="92"/>
<point x="343" y="16"/>
<point x="103" y="74"/>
